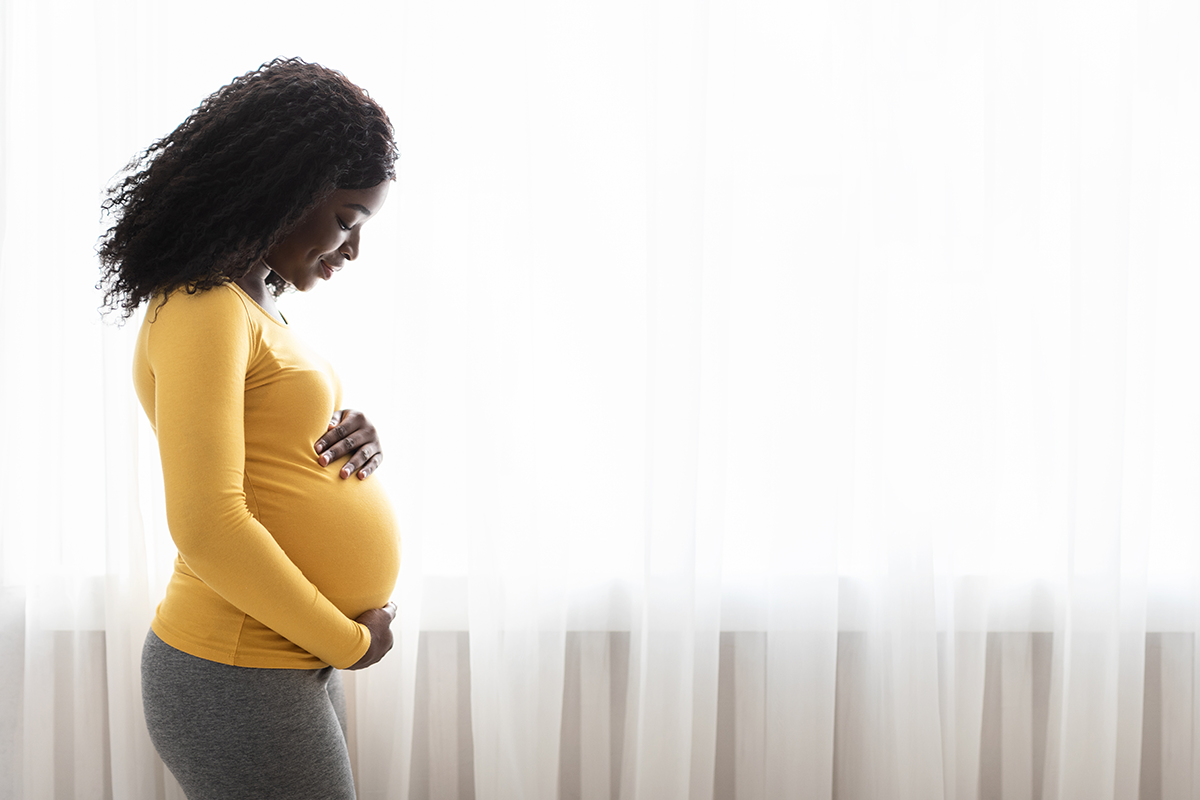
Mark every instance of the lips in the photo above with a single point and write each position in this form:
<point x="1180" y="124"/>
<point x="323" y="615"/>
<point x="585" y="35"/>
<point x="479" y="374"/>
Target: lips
<point x="328" y="269"/>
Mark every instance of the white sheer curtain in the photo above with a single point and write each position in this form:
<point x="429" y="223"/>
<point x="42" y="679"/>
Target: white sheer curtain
<point x="781" y="399"/>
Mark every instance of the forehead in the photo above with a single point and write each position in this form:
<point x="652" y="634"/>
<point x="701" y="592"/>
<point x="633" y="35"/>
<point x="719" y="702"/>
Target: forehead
<point x="364" y="201"/>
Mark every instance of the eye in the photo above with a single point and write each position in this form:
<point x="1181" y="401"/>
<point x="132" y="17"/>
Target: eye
<point x="342" y="223"/>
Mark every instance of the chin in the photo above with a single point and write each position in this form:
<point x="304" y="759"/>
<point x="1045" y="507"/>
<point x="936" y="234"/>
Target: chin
<point x="305" y="285"/>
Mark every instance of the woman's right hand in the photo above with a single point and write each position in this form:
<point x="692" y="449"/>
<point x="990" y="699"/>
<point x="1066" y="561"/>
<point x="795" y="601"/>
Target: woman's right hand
<point x="379" y="623"/>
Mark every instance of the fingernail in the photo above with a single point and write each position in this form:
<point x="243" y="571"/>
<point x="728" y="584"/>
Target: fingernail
<point x="320" y="446"/>
<point x="323" y="460"/>
<point x="345" y="473"/>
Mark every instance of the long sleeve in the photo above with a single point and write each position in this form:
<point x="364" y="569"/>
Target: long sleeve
<point x="199" y="350"/>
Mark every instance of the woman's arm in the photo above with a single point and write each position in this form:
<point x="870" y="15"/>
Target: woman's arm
<point x="199" y="348"/>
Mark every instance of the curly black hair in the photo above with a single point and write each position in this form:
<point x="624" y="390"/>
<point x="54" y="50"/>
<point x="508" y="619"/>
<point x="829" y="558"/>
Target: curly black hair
<point x="199" y="207"/>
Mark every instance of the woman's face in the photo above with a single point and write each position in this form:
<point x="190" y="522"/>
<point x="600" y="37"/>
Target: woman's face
<point x="327" y="237"/>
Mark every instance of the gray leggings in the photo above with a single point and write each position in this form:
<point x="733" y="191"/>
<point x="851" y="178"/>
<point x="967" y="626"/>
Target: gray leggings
<point x="236" y="732"/>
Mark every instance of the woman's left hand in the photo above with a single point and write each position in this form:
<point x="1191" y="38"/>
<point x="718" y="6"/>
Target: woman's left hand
<point x="350" y="434"/>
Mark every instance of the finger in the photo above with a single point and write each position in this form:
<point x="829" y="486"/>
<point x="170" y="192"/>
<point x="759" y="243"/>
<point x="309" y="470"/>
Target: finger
<point x="371" y="465"/>
<point x="340" y="423"/>
<point x="359" y="459"/>
<point x="351" y="433"/>
<point x="390" y="609"/>
<point x="331" y="437"/>
<point x="342" y="447"/>
<point x="364" y="462"/>
<point x="364" y="441"/>
<point x="338" y="449"/>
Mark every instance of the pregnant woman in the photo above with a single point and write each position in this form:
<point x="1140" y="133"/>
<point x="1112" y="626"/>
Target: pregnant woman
<point x="287" y="553"/>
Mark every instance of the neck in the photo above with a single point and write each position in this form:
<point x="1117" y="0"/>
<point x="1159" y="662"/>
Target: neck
<point x="254" y="283"/>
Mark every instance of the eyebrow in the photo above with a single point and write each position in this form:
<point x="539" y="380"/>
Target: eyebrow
<point x="358" y="207"/>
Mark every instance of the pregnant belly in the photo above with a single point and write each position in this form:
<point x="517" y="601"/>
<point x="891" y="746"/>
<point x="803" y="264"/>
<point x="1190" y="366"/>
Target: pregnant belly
<point x="342" y="534"/>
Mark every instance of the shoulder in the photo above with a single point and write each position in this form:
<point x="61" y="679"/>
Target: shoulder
<point x="221" y="305"/>
<point x="211" y="319"/>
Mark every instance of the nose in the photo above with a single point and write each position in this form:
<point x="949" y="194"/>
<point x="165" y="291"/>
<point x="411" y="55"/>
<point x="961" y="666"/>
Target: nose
<point x="349" y="248"/>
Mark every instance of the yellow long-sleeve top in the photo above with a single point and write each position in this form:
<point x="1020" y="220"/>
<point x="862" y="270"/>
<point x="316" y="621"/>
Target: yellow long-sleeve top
<point x="277" y="554"/>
